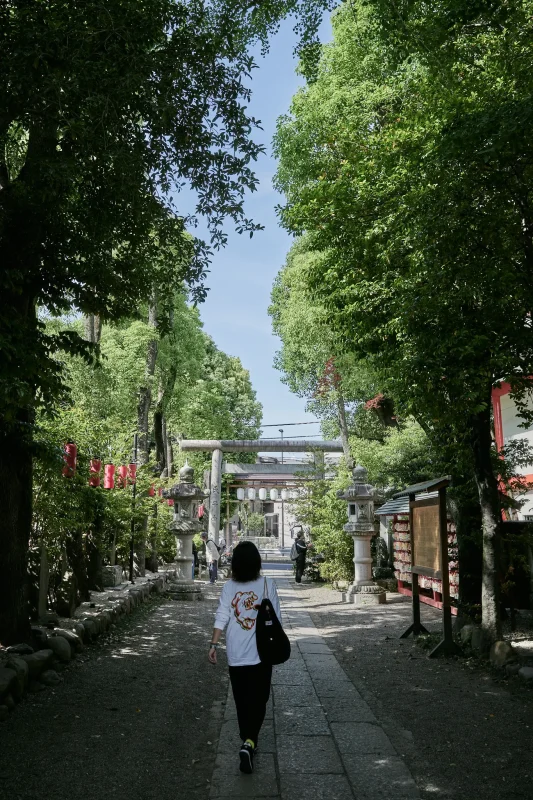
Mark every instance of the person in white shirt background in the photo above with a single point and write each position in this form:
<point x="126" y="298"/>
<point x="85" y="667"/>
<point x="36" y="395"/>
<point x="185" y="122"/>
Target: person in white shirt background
<point x="250" y="679"/>
<point x="211" y="557"/>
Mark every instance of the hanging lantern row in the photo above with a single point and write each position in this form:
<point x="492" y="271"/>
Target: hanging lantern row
<point x="70" y="457"/>
<point x="127" y="474"/>
<point x="285" y="494"/>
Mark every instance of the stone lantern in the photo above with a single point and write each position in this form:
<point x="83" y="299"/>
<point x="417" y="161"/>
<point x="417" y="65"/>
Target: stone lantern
<point x="360" y="499"/>
<point x="187" y="498"/>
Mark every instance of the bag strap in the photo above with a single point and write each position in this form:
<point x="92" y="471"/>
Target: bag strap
<point x="265" y="589"/>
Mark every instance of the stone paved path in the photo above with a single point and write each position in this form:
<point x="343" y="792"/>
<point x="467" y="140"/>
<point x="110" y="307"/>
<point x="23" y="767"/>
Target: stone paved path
<point x="320" y="740"/>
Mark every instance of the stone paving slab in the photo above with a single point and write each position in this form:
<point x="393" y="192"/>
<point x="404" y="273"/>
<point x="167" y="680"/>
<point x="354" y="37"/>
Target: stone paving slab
<point x="304" y="720"/>
<point x="334" y="688"/>
<point x="315" y="787"/>
<point x="353" y="709"/>
<point x="294" y="696"/>
<point x="317" y="648"/>
<point x="381" y="778"/>
<point x="292" y="677"/>
<point x="361" y="738"/>
<point x="308" y="754"/>
<point x="320" y="740"/>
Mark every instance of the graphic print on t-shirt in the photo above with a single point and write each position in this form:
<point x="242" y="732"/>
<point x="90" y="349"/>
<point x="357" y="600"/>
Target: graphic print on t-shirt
<point x="242" y="603"/>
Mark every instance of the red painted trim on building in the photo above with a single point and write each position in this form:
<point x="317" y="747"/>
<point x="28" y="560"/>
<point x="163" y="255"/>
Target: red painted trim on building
<point x="497" y="393"/>
<point x="428" y="599"/>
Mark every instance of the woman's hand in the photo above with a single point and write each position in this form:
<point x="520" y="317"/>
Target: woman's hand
<point x="212" y="656"/>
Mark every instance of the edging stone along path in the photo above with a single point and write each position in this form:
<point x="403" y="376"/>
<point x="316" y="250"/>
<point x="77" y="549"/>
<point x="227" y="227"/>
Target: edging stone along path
<point x="320" y="740"/>
<point x="31" y="669"/>
<point x="136" y="717"/>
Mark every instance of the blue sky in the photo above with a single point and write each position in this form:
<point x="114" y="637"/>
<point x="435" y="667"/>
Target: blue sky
<point x="235" y="313"/>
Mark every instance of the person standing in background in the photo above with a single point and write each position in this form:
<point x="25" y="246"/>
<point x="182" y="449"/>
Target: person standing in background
<point x="211" y="556"/>
<point x="301" y="548"/>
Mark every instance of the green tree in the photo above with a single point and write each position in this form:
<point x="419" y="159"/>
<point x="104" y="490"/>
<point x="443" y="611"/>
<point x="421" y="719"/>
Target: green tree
<point x="311" y="358"/>
<point x="221" y="404"/>
<point x="409" y="162"/>
<point x="106" y="111"/>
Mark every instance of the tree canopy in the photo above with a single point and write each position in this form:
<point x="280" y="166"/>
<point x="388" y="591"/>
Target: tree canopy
<point x="408" y="164"/>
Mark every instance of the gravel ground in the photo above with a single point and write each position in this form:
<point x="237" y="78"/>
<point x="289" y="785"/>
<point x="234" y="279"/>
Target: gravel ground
<point x="137" y="715"/>
<point x="464" y="732"/>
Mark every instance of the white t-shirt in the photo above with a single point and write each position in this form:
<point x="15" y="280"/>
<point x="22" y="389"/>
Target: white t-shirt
<point x="238" y="606"/>
<point x="211" y="551"/>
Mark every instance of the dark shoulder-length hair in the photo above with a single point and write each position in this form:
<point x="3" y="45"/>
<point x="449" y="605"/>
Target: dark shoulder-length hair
<point x="245" y="563"/>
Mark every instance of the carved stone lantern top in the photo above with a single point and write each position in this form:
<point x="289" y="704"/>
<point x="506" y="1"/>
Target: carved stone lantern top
<point x="187" y="497"/>
<point x="360" y="499"/>
<point x="359" y="489"/>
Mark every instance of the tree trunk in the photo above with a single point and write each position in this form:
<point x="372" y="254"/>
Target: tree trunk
<point x="94" y="566"/>
<point x="170" y="454"/>
<point x="92" y="328"/>
<point x="490" y="520"/>
<point x="160" y="454"/>
<point x="143" y="426"/>
<point x="78" y="563"/>
<point x="465" y="512"/>
<point x="16" y="504"/>
<point x="343" y="427"/>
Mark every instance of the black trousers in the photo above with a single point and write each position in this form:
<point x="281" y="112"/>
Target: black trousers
<point x="251" y="690"/>
<point x="300" y="566"/>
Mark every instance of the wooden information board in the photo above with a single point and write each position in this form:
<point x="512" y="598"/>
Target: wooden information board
<point x="426" y="538"/>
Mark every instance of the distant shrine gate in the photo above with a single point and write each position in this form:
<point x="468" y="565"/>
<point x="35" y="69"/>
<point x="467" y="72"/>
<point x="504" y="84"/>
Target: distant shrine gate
<point x="220" y="446"/>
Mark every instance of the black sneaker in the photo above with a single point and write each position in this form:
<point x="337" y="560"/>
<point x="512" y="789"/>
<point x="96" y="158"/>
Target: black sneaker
<point x="246" y="754"/>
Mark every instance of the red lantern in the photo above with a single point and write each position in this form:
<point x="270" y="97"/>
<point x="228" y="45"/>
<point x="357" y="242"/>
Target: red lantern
<point x="170" y="501"/>
<point x="201" y="511"/>
<point x="122" y="476"/>
<point x="132" y="473"/>
<point x="109" y="476"/>
<point x="151" y="491"/>
<point x="94" y="469"/>
<point x="70" y="457"/>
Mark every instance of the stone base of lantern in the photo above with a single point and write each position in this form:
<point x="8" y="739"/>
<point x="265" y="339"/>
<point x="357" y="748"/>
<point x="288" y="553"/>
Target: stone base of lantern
<point x="185" y="590"/>
<point x="370" y="595"/>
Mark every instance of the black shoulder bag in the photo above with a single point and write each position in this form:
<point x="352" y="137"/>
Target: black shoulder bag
<point x="273" y="643"/>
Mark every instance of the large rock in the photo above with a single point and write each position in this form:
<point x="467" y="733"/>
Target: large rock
<point x="20" y="667"/>
<point x="38" y="662"/>
<point x="91" y="628"/>
<point x="480" y="641"/>
<point x="8" y="681"/>
<point x="79" y="630"/>
<point x="526" y="673"/>
<point x="501" y="653"/>
<point x="112" y="576"/>
<point x="20" y="649"/>
<point x="60" y="648"/>
<point x="50" y="678"/>
<point x="39" y="638"/>
<point x="49" y="620"/>
<point x="72" y="638"/>
<point x="465" y="634"/>
<point x="104" y="620"/>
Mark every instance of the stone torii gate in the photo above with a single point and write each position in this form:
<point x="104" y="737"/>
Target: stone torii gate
<point x="219" y="446"/>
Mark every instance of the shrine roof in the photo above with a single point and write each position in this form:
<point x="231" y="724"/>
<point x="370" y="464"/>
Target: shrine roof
<point x="400" y="505"/>
<point x="434" y="485"/>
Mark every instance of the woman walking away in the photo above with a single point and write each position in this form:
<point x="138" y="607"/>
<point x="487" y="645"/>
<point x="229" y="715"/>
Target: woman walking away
<point x="250" y="679"/>
<point x="301" y="549"/>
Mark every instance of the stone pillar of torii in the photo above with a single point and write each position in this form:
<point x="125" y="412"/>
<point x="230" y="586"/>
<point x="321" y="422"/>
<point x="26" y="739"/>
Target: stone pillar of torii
<point x="219" y="446"/>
